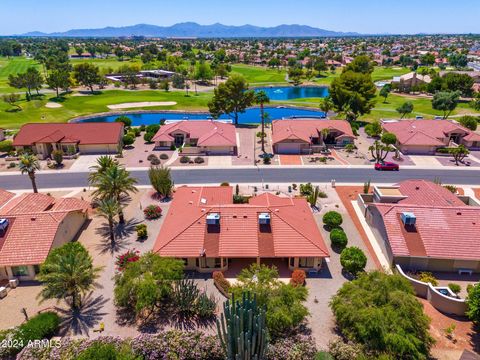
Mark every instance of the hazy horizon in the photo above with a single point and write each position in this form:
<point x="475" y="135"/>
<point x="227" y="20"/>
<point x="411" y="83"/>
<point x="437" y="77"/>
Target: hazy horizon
<point x="366" y="17"/>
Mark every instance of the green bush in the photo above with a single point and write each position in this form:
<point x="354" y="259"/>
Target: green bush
<point x="153" y="128"/>
<point x="105" y="351"/>
<point x="57" y="155"/>
<point x="455" y="288"/>
<point x="332" y="219"/>
<point x="141" y="231"/>
<point x="473" y="303"/>
<point x="125" y="120"/>
<point x="184" y="160"/>
<point x="6" y="146"/>
<point x="128" y="139"/>
<point x="164" y="156"/>
<point x="428" y="277"/>
<point x="353" y="260"/>
<point x="338" y="238"/>
<point x="148" y="136"/>
<point x="199" y="160"/>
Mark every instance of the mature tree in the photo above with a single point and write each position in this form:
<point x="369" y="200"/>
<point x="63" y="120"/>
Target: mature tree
<point x="379" y="151"/>
<point x="115" y="182"/>
<point x="458" y="82"/>
<point x="108" y="208"/>
<point x="203" y="72"/>
<point x="59" y="79"/>
<point x="476" y="101"/>
<point x="145" y="283"/>
<point x="428" y="59"/>
<point x="468" y="121"/>
<point x="262" y="98"/>
<point x="445" y="101"/>
<point x="458" y="60"/>
<point x="385" y="91"/>
<point x="130" y="75"/>
<point x="389" y="138"/>
<point x="326" y="105"/>
<point x="373" y="129"/>
<point x="361" y="64"/>
<point x="295" y="74"/>
<point x="12" y="99"/>
<point x="231" y="97"/>
<point x="353" y="93"/>
<point x="353" y="260"/>
<point x="29" y="164"/>
<point x="161" y="180"/>
<point x="87" y="75"/>
<point x="381" y="313"/>
<point x="473" y="303"/>
<point x="459" y="153"/>
<point x="405" y="109"/>
<point x="31" y="80"/>
<point x="68" y="272"/>
<point x="127" y="122"/>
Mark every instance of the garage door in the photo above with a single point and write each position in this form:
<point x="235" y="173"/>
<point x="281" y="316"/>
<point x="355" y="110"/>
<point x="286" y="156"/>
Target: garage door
<point x="219" y="150"/>
<point x="288" y="148"/>
<point x="418" y="150"/>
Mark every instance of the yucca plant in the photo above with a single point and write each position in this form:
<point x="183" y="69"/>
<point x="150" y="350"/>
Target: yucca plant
<point x="185" y="294"/>
<point x="206" y="305"/>
<point x="242" y="330"/>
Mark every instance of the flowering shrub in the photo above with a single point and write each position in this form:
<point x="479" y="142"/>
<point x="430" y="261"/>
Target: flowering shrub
<point x="222" y="284"/>
<point x="295" y="347"/>
<point x="152" y="212"/>
<point x="127" y="258"/>
<point x="298" y="277"/>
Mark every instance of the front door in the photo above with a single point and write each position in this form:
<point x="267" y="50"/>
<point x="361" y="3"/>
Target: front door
<point x="179" y="138"/>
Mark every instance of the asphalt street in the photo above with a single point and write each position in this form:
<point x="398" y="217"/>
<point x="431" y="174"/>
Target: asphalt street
<point x="255" y="176"/>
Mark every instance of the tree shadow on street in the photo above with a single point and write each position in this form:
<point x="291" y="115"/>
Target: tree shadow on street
<point x="122" y="233"/>
<point x="80" y="321"/>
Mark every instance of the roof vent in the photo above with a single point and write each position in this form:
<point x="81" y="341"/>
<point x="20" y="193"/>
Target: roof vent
<point x="459" y="213"/>
<point x="3" y="225"/>
<point x="203" y="200"/>
<point x="408" y="218"/>
<point x="213" y="219"/>
<point x="264" y="219"/>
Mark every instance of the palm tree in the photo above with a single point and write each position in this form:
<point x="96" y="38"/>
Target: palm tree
<point x="28" y="165"/>
<point x="108" y="208"/>
<point x="103" y="163"/>
<point x="262" y="98"/>
<point x="68" y="272"/>
<point x="116" y="183"/>
<point x="326" y="104"/>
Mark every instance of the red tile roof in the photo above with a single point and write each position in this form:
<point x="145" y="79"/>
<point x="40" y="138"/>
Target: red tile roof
<point x="184" y="233"/>
<point x="445" y="227"/>
<point x="208" y="132"/>
<point x="81" y="133"/>
<point x="5" y="196"/>
<point x="305" y="129"/>
<point x="33" y="224"/>
<point x="423" y="132"/>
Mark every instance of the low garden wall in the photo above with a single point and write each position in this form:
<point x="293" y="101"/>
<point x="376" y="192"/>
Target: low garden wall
<point x="445" y="304"/>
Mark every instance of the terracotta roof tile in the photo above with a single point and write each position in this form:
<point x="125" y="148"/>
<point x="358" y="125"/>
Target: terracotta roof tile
<point x="5" y="196"/>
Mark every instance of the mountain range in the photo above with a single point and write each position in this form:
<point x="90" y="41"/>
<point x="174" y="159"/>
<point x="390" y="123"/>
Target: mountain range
<point x="191" y="29"/>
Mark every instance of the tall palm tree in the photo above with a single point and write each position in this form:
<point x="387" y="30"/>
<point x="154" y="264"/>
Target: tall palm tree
<point x="116" y="183"/>
<point x="68" y="272"/>
<point x="103" y="163"/>
<point x="262" y="98"/>
<point x="108" y="208"/>
<point x="29" y="164"/>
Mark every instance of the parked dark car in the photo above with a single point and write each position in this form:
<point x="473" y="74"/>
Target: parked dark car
<point x="387" y="166"/>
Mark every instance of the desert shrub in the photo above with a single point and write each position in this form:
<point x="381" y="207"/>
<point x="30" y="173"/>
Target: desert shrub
<point x="199" y="160"/>
<point x="164" y="156"/>
<point x="428" y="277"/>
<point x="455" y="288"/>
<point x="136" y="131"/>
<point x="130" y="256"/>
<point x="205" y="306"/>
<point x="152" y="212"/>
<point x="220" y="282"/>
<point x="306" y="189"/>
<point x="267" y="160"/>
<point x="332" y="219"/>
<point x="57" y="155"/>
<point x="293" y="347"/>
<point x="224" y="184"/>
<point x="298" y="277"/>
<point x="128" y="139"/>
<point x="6" y="146"/>
<point x="107" y="351"/>
<point x="353" y="260"/>
<point x="451" y="188"/>
<point x="155" y="161"/>
<point x="12" y="165"/>
<point x="184" y="159"/>
<point x="338" y="238"/>
<point x="240" y="199"/>
<point x="322" y="194"/>
<point x="152" y="128"/>
<point x="141" y="231"/>
<point x="151" y="156"/>
<point x="148" y="136"/>
<point x="341" y="350"/>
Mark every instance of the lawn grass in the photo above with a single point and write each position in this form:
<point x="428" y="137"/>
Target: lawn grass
<point x="379" y="73"/>
<point x="259" y="75"/>
<point x="13" y="66"/>
<point x="73" y="106"/>
<point x="109" y="63"/>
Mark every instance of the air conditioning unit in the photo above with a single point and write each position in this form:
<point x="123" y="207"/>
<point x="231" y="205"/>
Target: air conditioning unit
<point x="264" y="219"/>
<point x="408" y="218"/>
<point x="3" y="225"/>
<point x="213" y="219"/>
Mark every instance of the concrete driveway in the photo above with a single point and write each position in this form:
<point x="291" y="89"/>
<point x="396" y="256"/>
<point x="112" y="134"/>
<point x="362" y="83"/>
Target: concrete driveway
<point x="84" y="162"/>
<point x="425" y="160"/>
<point x="220" y="161"/>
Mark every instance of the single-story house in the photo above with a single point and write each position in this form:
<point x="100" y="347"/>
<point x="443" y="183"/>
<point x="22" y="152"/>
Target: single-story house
<point x="306" y="136"/>
<point x="410" y="80"/>
<point x="426" y="136"/>
<point x="200" y="136"/>
<point x="209" y="232"/>
<point x="422" y="226"/>
<point x="71" y="138"/>
<point x="33" y="224"/>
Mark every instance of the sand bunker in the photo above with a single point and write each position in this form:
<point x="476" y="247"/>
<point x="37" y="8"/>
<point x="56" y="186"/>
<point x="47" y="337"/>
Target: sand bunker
<point x="53" y="105"/>
<point x="141" y="104"/>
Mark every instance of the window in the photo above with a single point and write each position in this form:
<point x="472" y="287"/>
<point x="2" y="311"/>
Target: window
<point x="306" y="262"/>
<point x="36" y="268"/>
<point x="20" y="271"/>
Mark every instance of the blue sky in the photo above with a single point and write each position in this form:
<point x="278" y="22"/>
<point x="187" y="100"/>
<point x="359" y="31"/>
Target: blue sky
<point x="367" y="16"/>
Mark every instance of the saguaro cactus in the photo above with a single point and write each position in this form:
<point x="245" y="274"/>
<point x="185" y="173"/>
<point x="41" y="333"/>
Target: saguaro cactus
<point x="242" y="329"/>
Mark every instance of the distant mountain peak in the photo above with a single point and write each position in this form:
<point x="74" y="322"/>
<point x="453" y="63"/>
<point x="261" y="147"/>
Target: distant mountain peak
<point x="192" y="29"/>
